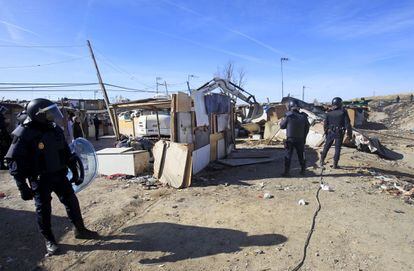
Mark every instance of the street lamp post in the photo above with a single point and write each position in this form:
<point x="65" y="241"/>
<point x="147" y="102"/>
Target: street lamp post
<point x="281" y="70"/>
<point x="188" y="81"/>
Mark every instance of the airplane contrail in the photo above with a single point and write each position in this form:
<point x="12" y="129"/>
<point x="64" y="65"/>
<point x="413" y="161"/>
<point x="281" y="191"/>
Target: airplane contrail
<point x="239" y="33"/>
<point x="11" y="26"/>
<point x="220" y="50"/>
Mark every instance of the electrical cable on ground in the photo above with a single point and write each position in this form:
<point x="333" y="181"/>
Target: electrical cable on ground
<point x="305" y="248"/>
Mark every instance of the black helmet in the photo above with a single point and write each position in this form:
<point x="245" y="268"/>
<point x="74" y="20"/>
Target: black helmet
<point x="293" y="105"/>
<point x="337" y="102"/>
<point x="43" y="111"/>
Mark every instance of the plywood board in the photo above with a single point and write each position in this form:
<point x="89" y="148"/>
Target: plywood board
<point x="158" y="152"/>
<point x="249" y="154"/>
<point x="175" y="164"/>
<point x="201" y="158"/>
<point x="201" y="137"/>
<point x="244" y="161"/>
<point x="214" y="138"/>
<point x="182" y="102"/>
<point x="200" y="109"/>
<point x="184" y="129"/>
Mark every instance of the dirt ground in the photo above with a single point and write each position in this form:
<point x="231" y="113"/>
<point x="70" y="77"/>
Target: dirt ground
<point x="223" y="223"/>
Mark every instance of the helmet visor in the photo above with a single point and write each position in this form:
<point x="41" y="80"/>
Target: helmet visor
<point x="52" y="113"/>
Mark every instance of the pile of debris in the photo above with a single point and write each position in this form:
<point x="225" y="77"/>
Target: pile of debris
<point x="394" y="186"/>
<point x="148" y="182"/>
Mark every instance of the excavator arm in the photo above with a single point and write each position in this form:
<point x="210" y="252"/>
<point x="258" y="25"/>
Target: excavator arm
<point x="235" y="92"/>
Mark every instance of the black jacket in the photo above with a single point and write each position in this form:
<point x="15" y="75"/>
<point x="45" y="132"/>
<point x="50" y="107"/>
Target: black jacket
<point x="36" y="150"/>
<point x="296" y="124"/>
<point x="337" y="120"/>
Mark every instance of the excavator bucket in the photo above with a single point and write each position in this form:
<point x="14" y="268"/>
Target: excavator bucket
<point x="255" y="111"/>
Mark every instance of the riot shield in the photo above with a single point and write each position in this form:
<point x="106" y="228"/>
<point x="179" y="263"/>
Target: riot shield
<point x="87" y="155"/>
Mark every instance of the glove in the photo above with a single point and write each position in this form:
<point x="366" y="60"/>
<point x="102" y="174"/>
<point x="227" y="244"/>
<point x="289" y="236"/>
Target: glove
<point x="26" y="192"/>
<point x="75" y="177"/>
<point x="73" y="166"/>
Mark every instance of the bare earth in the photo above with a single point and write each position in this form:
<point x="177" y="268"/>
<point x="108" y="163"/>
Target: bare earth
<point x="223" y="223"/>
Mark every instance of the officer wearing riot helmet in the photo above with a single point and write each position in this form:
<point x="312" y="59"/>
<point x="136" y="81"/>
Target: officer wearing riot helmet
<point x="297" y="127"/>
<point x="40" y="156"/>
<point x="336" y="124"/>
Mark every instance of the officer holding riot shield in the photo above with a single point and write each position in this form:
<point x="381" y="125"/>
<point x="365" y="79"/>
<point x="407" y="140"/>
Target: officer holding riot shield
<point x="39" y="159"/>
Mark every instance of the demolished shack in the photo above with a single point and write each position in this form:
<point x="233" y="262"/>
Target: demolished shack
<point x="316" y="136"/>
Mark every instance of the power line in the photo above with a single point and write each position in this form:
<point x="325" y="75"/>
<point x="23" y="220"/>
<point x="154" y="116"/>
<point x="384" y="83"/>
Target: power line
<point x="32" y="83"/>
<point x="40" y="46"/>
<point x="119" y="69"/>
<point x="47" y="86"/>
<point x="44" y="64"/>
<point x="74" y="90"/>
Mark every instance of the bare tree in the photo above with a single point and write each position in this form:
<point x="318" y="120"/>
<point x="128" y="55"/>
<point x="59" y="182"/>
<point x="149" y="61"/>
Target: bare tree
<point x="228" y="72"/>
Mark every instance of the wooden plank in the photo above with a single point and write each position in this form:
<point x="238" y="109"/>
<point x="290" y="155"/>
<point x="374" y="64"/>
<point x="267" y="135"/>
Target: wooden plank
<point x="214" y="138"/>
<point x="249" y="154"/>
<point x="182" y="102"/>
<point x="158" y="152"/>
<point x="245" y="161"/>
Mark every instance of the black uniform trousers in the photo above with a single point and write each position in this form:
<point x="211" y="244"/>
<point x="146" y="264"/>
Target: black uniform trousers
<point x="96" y="132"/>
<point x="42" y="188"/>
<point x="290" y="145"/>
<point x="331" y="137"/>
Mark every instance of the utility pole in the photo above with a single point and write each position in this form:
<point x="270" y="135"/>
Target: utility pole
<point x="156" y="83"/>
<point x="105" y="95"/>
<point x="166" y="88"/>
<point x="281" y="70"/>
<point x="303" y="93"/>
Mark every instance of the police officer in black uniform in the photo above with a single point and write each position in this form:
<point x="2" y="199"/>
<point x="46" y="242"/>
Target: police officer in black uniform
<point x="336" y="124"/>
<point x="297" y="128"/>
<point x="40" y="156"/>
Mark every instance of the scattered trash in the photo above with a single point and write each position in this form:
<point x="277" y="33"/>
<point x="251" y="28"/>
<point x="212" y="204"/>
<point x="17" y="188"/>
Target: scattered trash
<point x="267" y="196"/>
<point x="261" y="185"/>
<point x="258" y="251"/>
<point x="399" y="212"/>
<point x="161" y="265"/>
<point x="2" y="195"/>
<point x="326" y="187"/>
<point x="302" y="202"/>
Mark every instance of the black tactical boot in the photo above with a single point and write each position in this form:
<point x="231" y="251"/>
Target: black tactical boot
<point x="303" y="169"/>
<point x="287" y="168"/>
<point x="335" y="165"/>
<point x="84" y="233"/>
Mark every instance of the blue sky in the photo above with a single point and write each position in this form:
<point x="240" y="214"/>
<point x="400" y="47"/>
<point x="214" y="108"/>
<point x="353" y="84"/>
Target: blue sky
<point x="348" y="48"/>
